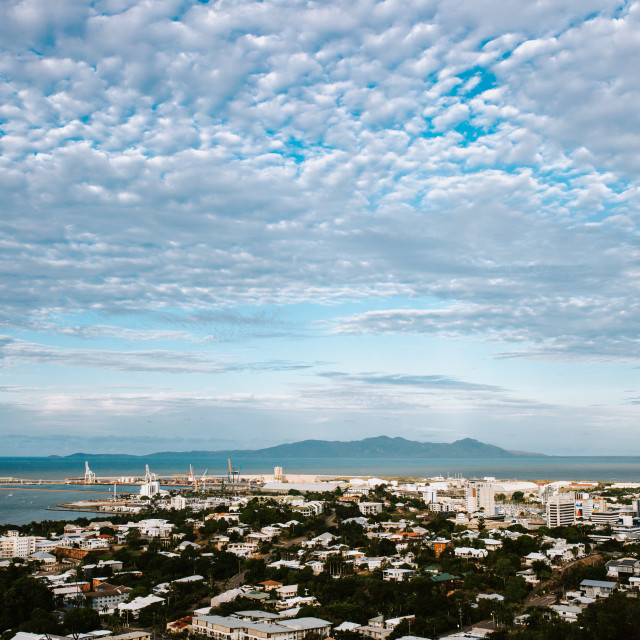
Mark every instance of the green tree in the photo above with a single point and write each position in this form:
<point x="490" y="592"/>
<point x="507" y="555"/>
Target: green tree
<point x="41" y="622"/>
<point x="503" y="569"/>
<point x="256" y="570"/>
<point x="21" y="598"/>
<point x="612" y="618"/>
<point x="81" y="620"/>
<point x="542" y="569"/>
<point x="516" y="589"/>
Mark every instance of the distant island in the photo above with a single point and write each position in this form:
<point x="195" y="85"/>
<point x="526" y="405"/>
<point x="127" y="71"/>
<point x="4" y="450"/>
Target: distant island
<point x="377" y="447"/>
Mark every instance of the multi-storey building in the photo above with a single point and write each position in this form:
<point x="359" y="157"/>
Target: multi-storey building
<point x="561" y="510"/>
<point x="370" y="508"/>
<point x="479" y="496"/>
<point x="231" y="628"/>
<point x="13" y="545"/>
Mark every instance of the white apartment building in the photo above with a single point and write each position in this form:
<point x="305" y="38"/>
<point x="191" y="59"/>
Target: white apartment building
<point x="370" y="508"/>
<point x="479" y="496"/>
<point x="178" y="502"/>
<point x="13" y="545"/>
<point x="307" y="509"/>
<point x="106" y="596"/>
<point x="430" y="496"/>
<point x="561" y="510"/>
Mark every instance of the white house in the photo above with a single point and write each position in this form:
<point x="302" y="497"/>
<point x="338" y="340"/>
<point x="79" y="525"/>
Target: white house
<point x="567" y="612"/>
<point x="471" y="553"/>
<point x="243" y="549"/>
<point x="394" y="574"/>
<point x="137" y="604"/>
<point x="624" y="567"/>
<point x="597" y="588"/>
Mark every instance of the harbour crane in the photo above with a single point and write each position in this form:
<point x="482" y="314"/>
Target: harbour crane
<point x="148" y="476"/>
<point x="234" y="474"/>
<point x="89" y="476"/>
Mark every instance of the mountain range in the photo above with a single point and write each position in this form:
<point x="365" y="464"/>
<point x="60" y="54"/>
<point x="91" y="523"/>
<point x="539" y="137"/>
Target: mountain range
<point x="376" y="447"/>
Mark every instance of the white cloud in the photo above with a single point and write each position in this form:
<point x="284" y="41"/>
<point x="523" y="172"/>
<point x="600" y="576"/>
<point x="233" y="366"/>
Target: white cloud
<point x="164" y="160"/>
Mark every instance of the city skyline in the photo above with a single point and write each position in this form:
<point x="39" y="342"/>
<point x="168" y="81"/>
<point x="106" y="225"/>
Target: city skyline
<point x="237" y="224"/>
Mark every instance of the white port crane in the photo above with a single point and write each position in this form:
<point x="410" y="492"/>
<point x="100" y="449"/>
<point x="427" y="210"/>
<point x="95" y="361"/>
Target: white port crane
<point x="89" y="476"/>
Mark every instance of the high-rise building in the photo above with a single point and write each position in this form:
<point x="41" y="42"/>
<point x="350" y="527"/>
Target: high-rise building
<point x="479" y="496"/>
<point x="561" y="510"/>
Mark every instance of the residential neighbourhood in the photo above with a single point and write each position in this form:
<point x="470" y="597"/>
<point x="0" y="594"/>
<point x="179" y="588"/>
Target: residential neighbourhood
<point x="387" y="559"/>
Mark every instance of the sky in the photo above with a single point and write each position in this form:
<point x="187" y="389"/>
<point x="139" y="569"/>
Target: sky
<point x="235" y="224"/>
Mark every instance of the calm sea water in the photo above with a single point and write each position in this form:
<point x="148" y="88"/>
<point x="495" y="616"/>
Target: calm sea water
<point x="26" y="506"/>
<point x="21" y="504"/>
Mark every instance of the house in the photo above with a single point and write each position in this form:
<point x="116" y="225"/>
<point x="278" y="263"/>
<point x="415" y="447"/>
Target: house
<point x="104" y="567"/>
<point x="444" y="577"/>
<point x="597" y="588"/>
<point x="151" y="528"/>
<point x="567" y="612"/>
<point x="634" y="583"/>
<point x="535" y="557"/>
<point x="490" y="596"/>
<point x="180" y="625"/>
<point x="471" y="553"/>
<point x="267" y="585"/>
<point x="491" y="544"/>
<point x="394" y="574"/>
<point x="317" y="566"/>
<point x="323" y="540"/>
<point x="369" y="563"/>
<point x="43" y="558"/>
<point x="624" y="567"/>
<point x="439" y="546"/>
<point x="258" y="537"/>
<point x="133" y="635"/>
<point x="374" y="629"/>
<point x="529" y="576"/>
<point x="137" y="604"/>
<point x="566" y="552"/>
<point x="243" y="549"/>
<point x="392" y="623"/>
<point x="287" y="592"/>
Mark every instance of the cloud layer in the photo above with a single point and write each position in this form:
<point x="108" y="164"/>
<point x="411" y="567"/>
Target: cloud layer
<point x="202" y="174"/>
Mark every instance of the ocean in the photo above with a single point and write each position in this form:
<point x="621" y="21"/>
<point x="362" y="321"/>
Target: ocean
<point x="26" y="506"/>
<point x="608" y="469"/>
<point x="21" y="504"/>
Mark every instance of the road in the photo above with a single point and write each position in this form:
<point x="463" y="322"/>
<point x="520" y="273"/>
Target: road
<point x="533" y="600"/>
